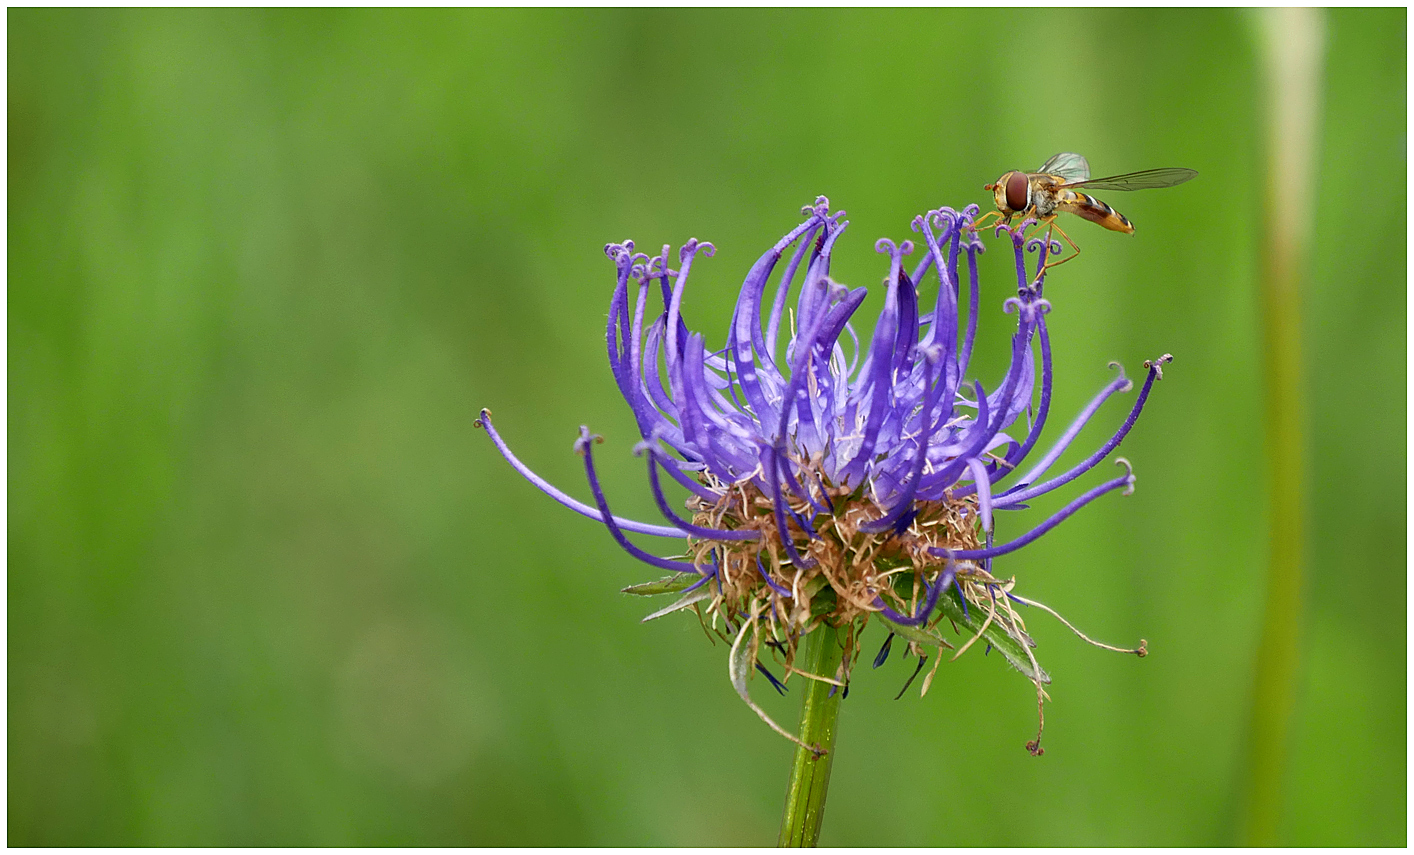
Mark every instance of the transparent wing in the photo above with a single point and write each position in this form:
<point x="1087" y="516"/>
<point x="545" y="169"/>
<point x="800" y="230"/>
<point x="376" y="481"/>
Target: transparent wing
<point x="1068" y="165"/>
<point x="1149" y="179"/>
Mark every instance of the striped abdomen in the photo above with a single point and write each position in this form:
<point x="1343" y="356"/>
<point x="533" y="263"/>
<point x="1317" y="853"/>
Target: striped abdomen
<point x="1092" y="209"/>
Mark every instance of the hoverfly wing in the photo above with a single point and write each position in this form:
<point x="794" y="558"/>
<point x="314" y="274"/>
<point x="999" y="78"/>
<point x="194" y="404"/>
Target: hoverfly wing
<point x="1149" y="179"/>
<point x="1068" y="166"/>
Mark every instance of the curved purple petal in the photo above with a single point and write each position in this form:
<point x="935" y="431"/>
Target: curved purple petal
<point x="558" y="495"/>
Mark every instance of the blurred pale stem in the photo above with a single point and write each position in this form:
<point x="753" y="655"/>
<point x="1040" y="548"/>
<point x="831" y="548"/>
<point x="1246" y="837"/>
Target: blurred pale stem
<point x="1292" y="42"/>
<point x="819" y="716"/>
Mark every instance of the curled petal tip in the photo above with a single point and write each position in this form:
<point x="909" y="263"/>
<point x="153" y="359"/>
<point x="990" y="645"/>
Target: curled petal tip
<point x="1129" y="475"/>
<point x="694" y="246"/>
<point x="483" y="418"/>
<point x="1157" y="365"/>
<point x="941" y="224"/>
<point x="894" y="250"/>
<point x="1051" y="246"/>
<point x="585" y="438"/>
<point x="620" y="252"/>
<point x="1128" y="384"/>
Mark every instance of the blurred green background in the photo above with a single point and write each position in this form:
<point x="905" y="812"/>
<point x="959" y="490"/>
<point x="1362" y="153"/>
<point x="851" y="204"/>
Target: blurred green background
<point x="267" y="585"/>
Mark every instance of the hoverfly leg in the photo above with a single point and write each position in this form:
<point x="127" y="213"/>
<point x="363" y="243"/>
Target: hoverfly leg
<point x="1075" y="249"/>
<point x="977" y="224"/>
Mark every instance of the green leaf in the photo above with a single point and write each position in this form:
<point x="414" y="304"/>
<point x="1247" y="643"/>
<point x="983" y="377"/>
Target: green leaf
<point x="920" y="634"/>
<point x="689" y="599"/>
<point x="823" y="602"/>
<point x="667" y="585"/>
<point x="995" y="634"/>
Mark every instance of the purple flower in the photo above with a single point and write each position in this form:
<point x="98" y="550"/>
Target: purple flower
<point x="832" y="482"/>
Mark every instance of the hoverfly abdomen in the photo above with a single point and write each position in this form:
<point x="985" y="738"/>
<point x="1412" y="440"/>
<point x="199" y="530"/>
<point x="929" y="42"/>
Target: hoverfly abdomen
<point x="1087" y="206"/>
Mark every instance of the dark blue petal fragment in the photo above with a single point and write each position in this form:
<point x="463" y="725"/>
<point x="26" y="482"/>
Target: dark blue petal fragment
<point x="883" y="655"/>
<point x="777" y="684"/>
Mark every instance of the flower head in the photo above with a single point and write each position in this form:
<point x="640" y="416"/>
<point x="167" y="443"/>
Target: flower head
<point x="830" y="482"/>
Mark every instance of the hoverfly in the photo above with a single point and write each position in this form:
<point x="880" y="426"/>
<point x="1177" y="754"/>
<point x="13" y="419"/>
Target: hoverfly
<point x="1055" y="187"/>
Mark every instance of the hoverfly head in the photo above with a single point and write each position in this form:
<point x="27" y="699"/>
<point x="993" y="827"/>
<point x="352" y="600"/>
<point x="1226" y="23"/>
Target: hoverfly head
<point x="1012" y="192"/>
<point x="1016" y="188"/>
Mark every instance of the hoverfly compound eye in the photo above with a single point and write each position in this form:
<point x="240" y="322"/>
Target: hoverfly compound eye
<point x="1017" y="191"/>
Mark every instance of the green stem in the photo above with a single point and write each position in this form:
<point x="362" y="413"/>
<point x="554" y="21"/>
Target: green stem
<point x="1293" y="42"/>
<point x="819" y="720"/>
